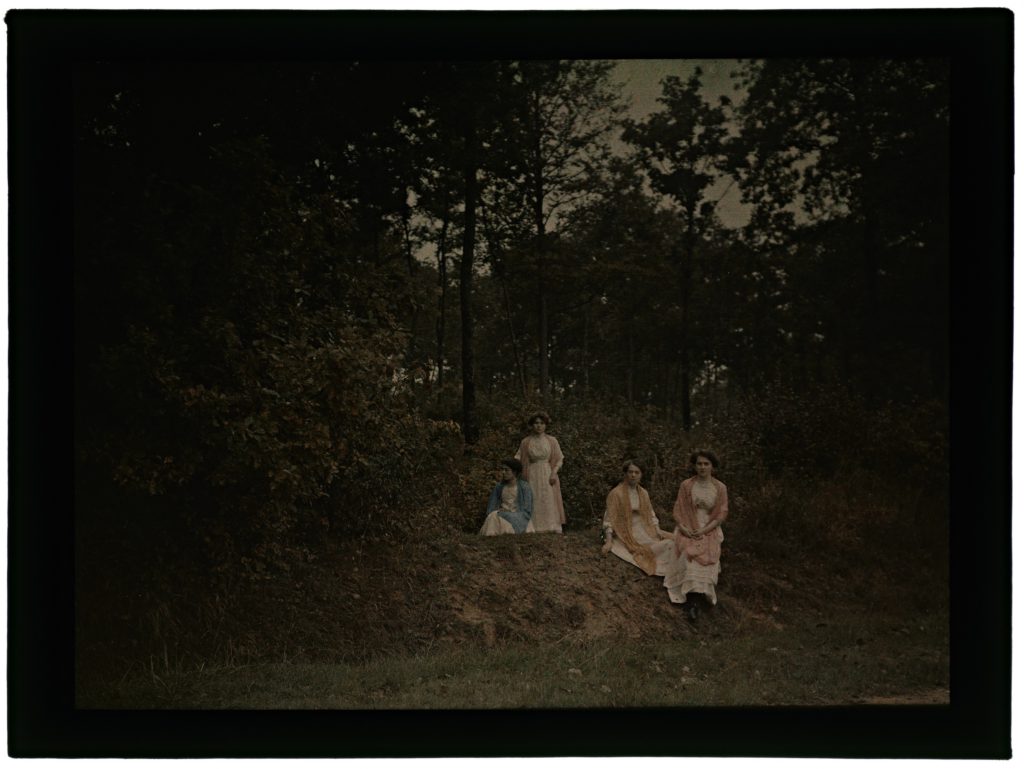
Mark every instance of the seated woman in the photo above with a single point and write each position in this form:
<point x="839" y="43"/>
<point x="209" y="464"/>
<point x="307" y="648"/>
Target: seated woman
<point x="511" y="504"/>
<point x="701" y="506"/>
<point x="631" y="528"/>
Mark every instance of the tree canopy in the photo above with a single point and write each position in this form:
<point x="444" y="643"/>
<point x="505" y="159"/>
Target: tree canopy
<point x="269" y="259"/>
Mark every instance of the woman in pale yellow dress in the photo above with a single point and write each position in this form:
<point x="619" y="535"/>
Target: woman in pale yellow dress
<point x="631" y="528"/>
<point x="542" y="458"/>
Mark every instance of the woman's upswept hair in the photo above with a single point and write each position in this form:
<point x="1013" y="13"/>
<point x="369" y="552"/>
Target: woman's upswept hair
<point x="541" y="416"/>
<point x="630" y="462"/>
<point x="708" y="455"/>
<point x="514" y="465"/>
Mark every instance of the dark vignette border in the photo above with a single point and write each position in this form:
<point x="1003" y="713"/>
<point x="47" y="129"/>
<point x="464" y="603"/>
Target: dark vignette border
<point x="42" y="48"/>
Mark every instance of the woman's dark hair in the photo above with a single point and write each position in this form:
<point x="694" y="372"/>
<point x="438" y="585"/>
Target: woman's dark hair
<point x="625" y="469"/>
<point x="708" y="455"/>
<point x="541" y="416"/>
<point x="629" y="462"/>
<point x="514" y="465"/>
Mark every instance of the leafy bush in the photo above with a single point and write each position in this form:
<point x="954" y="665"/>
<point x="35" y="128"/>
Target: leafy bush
<point x="268" y="404"/>
<point x="814" y="471"/>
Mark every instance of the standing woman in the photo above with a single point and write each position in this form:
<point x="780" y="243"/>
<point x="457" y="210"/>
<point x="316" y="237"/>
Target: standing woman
<point x="701" y="506"/>
<point x="542" y="459"/>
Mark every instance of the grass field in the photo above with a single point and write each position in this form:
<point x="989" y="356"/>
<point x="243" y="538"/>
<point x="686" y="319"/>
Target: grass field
<point x="602" y="635"/>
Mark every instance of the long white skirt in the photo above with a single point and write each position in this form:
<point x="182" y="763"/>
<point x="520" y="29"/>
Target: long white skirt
<point x="664" y="549"/>
<point x="686" y="576"/>
<point x="494" y="524"/>
<point x="545" y="512"/>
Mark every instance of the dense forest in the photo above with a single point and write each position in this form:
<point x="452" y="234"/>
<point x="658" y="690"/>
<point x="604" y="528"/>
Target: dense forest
<point x="319" y="301"/>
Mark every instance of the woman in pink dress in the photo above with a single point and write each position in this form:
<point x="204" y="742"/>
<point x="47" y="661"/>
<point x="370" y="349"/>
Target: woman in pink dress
<point x="541" y="457"/>
<point x="702" y="504"/>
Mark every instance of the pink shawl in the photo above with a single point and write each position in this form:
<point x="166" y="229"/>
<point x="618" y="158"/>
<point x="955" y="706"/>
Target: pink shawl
<point x="555" y="459"/>
<point x="708" y="548"/>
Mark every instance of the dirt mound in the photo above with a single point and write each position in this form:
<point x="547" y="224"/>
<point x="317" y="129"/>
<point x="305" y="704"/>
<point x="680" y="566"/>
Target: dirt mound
<point x="358" y="600"/>
<point x="560" y="587"/>
<point x="361" y="599"/>
<point x="552" y="588"/>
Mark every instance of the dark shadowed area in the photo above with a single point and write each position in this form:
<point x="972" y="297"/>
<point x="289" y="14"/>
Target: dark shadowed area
<point x="317" y="300"/>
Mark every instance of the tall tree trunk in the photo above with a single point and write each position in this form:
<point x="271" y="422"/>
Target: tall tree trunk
<point x="677" y="397"/>
<point x="376" y="237"/>
<point x="630" y="360"/>
<point x="665" y="381"/>
<point x="871" y="340"/>
<point x="442" y="281"/>
<point x="585" y="363"/>
<point x="685" y="275"/>
<point x="543" y="368"/>
<point x="470" y="429"/>
<point x="498" y="266"/>
<point x="512" y="336"/>
<point x="538" y="223"/>
<point x="410" y="261"/>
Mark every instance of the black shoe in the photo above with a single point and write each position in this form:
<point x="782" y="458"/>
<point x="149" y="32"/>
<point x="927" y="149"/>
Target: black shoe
<point x="692" y="611"/>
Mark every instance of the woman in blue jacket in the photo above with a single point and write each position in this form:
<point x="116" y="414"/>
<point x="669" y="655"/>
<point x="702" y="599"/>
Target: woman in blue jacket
<point x="511" y="504"/>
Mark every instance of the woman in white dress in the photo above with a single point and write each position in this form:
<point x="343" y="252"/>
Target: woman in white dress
<point x="702" y="504"/>
<point x="542" y="459"/>
<point x="631" y="528"/>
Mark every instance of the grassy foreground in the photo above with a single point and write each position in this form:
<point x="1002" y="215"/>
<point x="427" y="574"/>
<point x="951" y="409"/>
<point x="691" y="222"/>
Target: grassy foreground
<point x="861" y="659"/>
